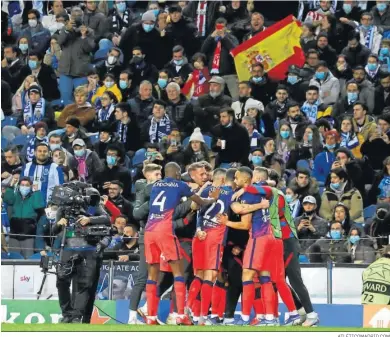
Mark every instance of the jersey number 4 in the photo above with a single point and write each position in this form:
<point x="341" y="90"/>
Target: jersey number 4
<point x="160" y="201"/>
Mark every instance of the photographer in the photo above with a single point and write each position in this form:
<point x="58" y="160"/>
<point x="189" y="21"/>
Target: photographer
<point x="81" y="257"/>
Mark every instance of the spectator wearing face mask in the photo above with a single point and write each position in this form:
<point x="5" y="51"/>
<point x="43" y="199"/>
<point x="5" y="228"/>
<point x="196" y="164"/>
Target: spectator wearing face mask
<point x="24" y="45"/>
<point x="85" y="163"/>
<point x="344" y="105"/>
<point x="28" y="207"/>
<point x="36" y="33"/>
<point x="159" y="91"/>
<point x="179" y="68"/>
<point x="113" y="64"/>
<point x="263" y="89"/>
<point x="324" y="160"/>
<point x="142" y="70"/>
<point x="360" y="247"/>
<point x="296" y="119"/>
<point x="334" y="249"/>
<point x="381" y="15"/>
<point x="310" y="227"/>
<point x="149" y="39"/>
<point x="372" y="69"/>
<point x="342" y="70"/>
<point x="120" y="18"/>
<point x="328" y="85"/>
<point x="109" y="85"/>
<point x="126" y="85"/>
<point x="339" y="188"/>
<point x="128" y="244"/>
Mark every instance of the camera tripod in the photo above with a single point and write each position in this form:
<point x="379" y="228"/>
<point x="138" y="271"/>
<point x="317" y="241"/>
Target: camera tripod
<point x="45" y="268"/>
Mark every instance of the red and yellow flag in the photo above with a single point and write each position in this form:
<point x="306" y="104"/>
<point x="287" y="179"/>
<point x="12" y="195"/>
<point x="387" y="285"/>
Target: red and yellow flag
<point x="277" y="47"/>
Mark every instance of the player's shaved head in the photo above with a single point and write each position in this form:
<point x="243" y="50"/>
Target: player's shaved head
<point x="172" y="170"/>
<point x="219" y="173"/>
<point x="230" y="173"/>
<point x="260" y="174"/>
<point x="246" y="171"/>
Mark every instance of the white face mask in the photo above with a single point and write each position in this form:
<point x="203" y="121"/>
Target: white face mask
<point x="112" y="59"/>
<point x="108" y="84"/>
<point x="60" y="25"/>
<point x="50" y="214"/>
<point x="32" y="23"/>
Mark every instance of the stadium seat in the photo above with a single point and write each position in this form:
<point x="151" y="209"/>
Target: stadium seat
<point x="56" y="132"/>
<point x="322" y="189"/>
<point x="9" y="121"/>
<point x="94" y="138"/>
<point x="369" y="212"/>
<point x="4" y="143"/>
<point x="303" y="259"/>
<point x="139" y="157"/>
<point x="37" y="256"/>
<point x="12" y="256"/>
<point x="21" y="140"/>
<point x="186" y="142"/>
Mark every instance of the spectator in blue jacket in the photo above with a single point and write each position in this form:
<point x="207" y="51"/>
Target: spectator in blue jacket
<point x="324" y="160"/>
<point x="36" y="33"/>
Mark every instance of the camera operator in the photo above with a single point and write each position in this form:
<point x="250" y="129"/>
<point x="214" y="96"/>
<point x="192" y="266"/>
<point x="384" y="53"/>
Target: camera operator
<point x="81" y="259"/>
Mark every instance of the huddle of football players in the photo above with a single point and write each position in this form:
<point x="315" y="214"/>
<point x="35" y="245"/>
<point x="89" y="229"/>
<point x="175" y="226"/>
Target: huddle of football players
<point x="227" y="203"/>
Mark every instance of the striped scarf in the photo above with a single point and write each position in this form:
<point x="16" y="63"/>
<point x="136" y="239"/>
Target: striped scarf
<point x="31" y="117"/>
<point x="122" y="132"/>
<point x="349" y="140"/>
<point x="369" y="37"/>
<point x="310" y="110"/>
<point x="159" y="129"/>
<point x="105" y="113"/>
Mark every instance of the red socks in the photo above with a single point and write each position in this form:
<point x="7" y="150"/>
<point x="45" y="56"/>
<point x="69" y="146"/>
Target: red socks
<point x="258" y="302"/>
<point x="248" y="297"/>
<point x="151" y="297"/>
<point x="205" y="295"/>
<point x="196" y="306"/>
<point x="193" y="292"/>
<point x="180" y="290"/>
<point x="285" y="294"/>
<point x="218" y="299"/>
<point x="268" y="296"/>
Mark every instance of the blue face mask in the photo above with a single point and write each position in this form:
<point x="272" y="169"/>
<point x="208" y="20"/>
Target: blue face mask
<point x="384" y="51"/>
<point x="381" y="7"/>
<point x="335" y="186"/>
<point x="366" y="27"/>
<point x="347" y="8"/>
<point x="289" y="198"/>
<point x="372" y="66"/>
<point x="178" y="62"/>
<point x="320" y="75"/>
<point x="292" y="79"/>
<point x="352" y="96"/>
<point x="123" y="84"/>
<point x="24" y="190"/>
<point x="330" y="146"/>
<point x="32" y="64"/>
<point x="335" y="235"/>
<point x="285" y="134"/>
<point x="162" y="82"/>
<point x="310" y="137"/>
<point x="111" y="160"/>
<point x="54" y="147"/>
<point x="23" y="46"/>
<point x="354" y="238"/>
<point x="79" y="153"/>
<point x="147" y="28"/>
<point x="257" y="79"/>
<point x="121" y="7"/>
<point x="257" y="160"/>
<point x="156" y="11"/>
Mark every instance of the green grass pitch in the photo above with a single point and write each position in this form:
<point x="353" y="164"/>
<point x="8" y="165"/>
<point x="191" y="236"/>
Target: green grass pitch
<point x="143" y="328"/>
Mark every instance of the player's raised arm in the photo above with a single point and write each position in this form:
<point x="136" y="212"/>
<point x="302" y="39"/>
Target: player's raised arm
<point x="264" y="191"/>
<point x="242" y="209"/>
<point x="213" y="197"/>
<point x="244" y="224"/>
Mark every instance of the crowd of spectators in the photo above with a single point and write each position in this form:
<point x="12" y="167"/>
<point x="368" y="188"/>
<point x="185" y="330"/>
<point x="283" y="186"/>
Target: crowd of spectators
<point x="96" y="91"/>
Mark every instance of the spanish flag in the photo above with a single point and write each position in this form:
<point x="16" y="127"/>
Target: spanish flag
<point x="277" y="47"/>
